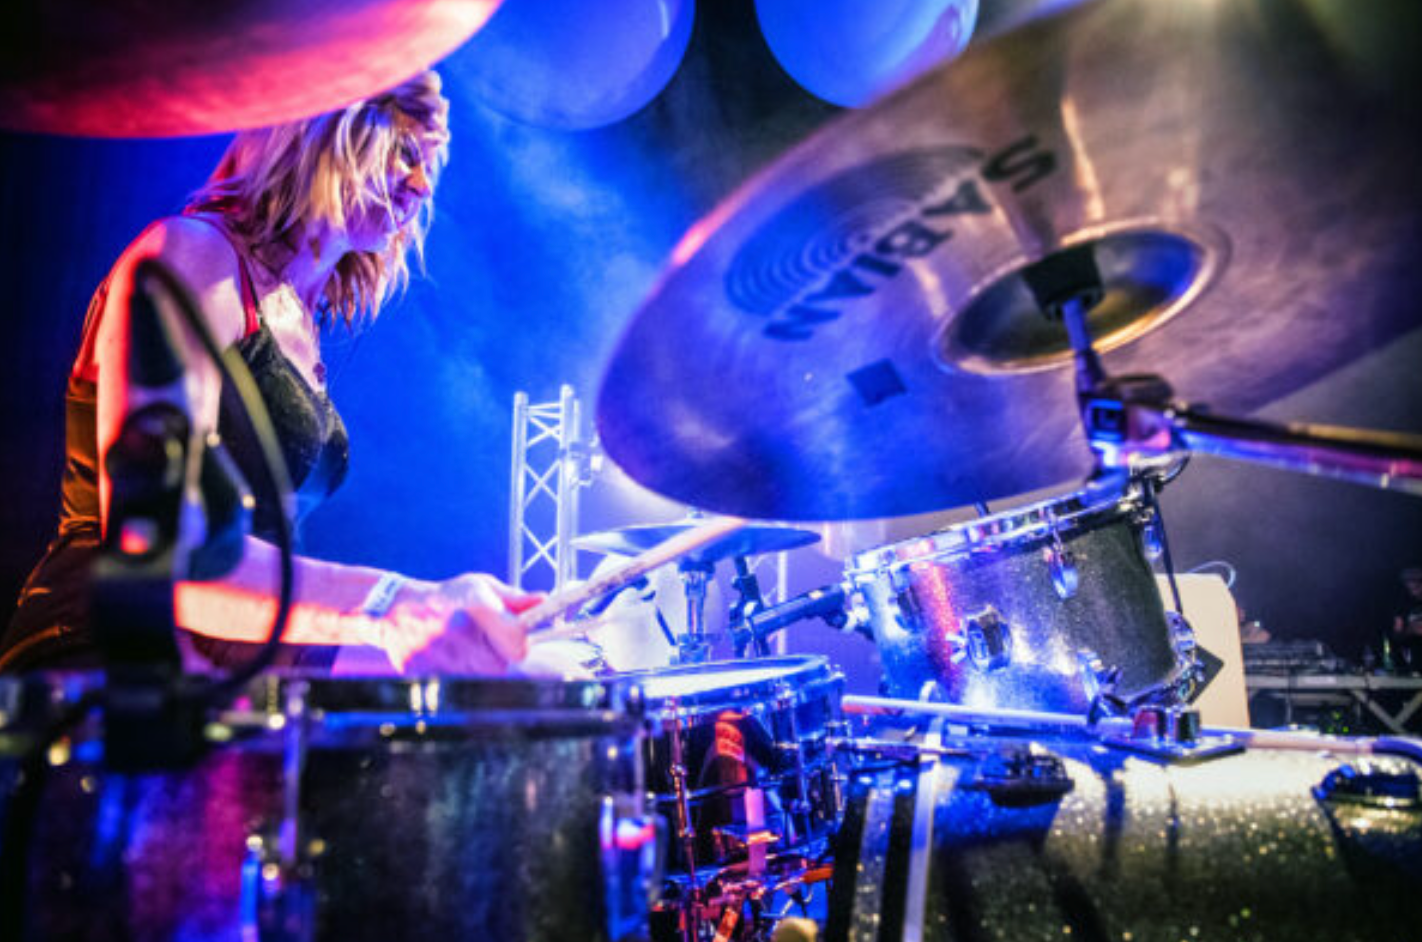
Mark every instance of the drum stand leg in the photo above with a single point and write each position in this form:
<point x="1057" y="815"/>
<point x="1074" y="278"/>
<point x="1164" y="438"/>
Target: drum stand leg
<point x="690" y="918"/>
<point x="278" y="901"/>
<point x="799" y="810"/>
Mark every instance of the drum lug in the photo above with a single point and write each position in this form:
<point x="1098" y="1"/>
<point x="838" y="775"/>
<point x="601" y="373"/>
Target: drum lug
<point x="857" y="615"/>
<point x="903" y="605"/>
<point x="1061" y="562"/>
<point x="1097" y="680"/>
<point x="798" y="819"/>
<point x="986" y="640"/>
<point x="633" y="863"/>
<point x="899" y="579"/>
<point x="278" y="900"/>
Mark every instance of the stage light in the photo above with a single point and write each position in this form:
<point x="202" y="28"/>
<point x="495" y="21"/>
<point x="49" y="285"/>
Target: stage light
<point x="849" y="52"/>
<point x="573" y="66"/>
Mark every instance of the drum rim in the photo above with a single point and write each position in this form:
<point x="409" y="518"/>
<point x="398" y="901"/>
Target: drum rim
<point x="428" y="696"/>
<point x="28" y="698"/>
<point x="1025" y="524"/>
<point x="803" y="672"/>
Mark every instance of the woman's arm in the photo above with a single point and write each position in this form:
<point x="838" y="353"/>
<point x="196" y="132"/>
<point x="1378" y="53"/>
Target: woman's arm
<point x="460" y="625"/>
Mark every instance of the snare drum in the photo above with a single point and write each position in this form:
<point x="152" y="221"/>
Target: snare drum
<point x="353" y="810"/>
<point x="1024" y="609"/>
<point x="739" y="757"/>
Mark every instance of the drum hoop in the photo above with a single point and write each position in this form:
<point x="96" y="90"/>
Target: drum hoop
<point x="802" y="676"/>
<point x="460" y="698"/>
<point x="410" y="730"/>
<point x="1027" y="524"/>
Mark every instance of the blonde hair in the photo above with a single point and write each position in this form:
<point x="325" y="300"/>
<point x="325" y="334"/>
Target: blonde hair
<point x="273" y="182"/>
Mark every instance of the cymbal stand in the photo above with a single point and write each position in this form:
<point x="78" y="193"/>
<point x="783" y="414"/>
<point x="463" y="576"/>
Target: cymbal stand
<point x="693" y="646"/>
<point x="1135" y="417"/>
<point x="748" y="603"/>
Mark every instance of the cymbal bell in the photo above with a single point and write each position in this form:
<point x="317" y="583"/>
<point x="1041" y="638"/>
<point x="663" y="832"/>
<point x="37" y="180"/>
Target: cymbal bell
<point x="864" y="343"/>
<point x="139" y="68"/>
<point x="750" y="540"/>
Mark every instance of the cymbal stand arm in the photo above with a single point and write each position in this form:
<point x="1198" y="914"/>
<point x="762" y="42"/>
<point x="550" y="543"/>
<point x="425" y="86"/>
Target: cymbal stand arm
<point x="1132" y="417"/>
<point x="1139" y="420"/>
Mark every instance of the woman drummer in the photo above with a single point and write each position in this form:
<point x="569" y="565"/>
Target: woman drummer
<point x="299" y="225"/>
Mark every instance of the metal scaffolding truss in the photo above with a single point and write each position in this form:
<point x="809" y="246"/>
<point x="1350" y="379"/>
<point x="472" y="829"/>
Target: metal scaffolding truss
<point x="551" y="463"/>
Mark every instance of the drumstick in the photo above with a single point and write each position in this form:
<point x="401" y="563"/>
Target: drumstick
<point x="536" y="621"/>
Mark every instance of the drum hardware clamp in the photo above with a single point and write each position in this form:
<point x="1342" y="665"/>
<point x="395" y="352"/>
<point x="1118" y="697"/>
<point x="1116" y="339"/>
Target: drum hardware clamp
<point x="1383" y="782"/>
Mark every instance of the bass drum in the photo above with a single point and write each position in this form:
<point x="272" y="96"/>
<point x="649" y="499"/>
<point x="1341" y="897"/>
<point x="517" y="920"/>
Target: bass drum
<point x="1026" y="609"/>
<point x="1041" y="838"/>
<point x="346" y="810"/>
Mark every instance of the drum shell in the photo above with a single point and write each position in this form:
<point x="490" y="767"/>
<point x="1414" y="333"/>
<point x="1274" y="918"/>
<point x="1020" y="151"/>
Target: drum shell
<point x="466" y="821"/>
<point x="921" y="594"/>
<point x="765" y="733"/>
<point x="1236" y="847"/>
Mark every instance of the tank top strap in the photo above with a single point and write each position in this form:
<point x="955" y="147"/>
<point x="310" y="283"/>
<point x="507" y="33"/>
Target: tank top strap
<point x="244" y="273"/>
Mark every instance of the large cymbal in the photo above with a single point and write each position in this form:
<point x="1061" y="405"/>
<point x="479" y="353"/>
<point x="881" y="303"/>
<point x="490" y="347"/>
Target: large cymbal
<point x="750" y="540"/>
<point x="139" y="68"/>
<point x="845" y="336"/>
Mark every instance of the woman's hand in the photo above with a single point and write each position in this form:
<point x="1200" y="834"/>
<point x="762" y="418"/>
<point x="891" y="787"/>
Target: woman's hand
<point x="465" y="625"/>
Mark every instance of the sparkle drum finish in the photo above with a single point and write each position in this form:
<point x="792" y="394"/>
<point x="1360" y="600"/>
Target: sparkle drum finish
<point x="352" y="810"/>
<point x="1014" y="609"/>
<point x="751" y="739"/>
<point x="1043" y="838"/>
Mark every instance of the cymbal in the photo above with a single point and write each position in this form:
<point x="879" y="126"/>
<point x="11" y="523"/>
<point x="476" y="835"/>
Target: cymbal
<point x="864" y="343"/>
<point x="139" y="68"/>
<point x="750" y="540"/>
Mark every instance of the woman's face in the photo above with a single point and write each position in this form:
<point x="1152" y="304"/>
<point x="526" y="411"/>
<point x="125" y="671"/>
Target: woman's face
<point x="408" y="184"/>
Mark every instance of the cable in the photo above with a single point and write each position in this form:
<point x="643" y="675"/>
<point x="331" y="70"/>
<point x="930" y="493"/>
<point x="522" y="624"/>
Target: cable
<point x="1231" y="574"/>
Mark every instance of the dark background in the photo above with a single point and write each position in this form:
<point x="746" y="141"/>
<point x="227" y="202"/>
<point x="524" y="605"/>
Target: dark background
<point x="543" y="246"/>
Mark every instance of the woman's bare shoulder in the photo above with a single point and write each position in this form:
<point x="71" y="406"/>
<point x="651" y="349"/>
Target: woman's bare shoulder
<point x="203" y="259"/>
<point x="196" y="250"/>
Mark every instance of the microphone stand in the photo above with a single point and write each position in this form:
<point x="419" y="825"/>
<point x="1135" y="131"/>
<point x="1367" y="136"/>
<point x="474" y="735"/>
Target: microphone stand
<point x="150" y="465"/>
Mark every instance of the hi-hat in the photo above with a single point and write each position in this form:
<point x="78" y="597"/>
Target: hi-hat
<point x="848" y="335"/>
<point x="139" y="68"/>
<point x="750" y="540"/>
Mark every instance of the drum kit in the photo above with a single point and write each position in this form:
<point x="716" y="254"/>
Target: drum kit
<point x="915" y="309"/>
